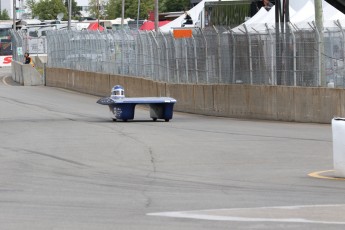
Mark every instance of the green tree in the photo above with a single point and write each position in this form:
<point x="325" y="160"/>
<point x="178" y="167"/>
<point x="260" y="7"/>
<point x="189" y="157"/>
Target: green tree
<point x="30" y="4"/>
<point x="131" y="8"/>
<point x="49" y="9"/>
<point x="113" y="7"/>
<point x="75" y="9"/>
<point x="174" y="6"/>
<point x="4" y="15"/>
<point x="110" y="9"/>
<point x="95" y="9"/>
<point x="145" y="7"/>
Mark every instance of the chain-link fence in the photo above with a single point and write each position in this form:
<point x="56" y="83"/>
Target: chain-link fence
<point x="22" y="42"/>
<point x="301" y="57"/>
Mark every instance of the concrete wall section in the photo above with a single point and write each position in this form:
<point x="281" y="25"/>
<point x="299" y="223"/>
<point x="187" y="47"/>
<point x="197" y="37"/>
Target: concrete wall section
<point x="81" y="81"/>
<point x="184" y="94"/>
<point x="282" y="103"/>
<point x="17" y="74"/>
<point x="26" y="74"/>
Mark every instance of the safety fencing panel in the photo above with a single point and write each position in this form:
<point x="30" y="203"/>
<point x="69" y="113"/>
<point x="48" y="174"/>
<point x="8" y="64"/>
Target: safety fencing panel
<point x="299" y="57"/>
<point x="24" y="43"/>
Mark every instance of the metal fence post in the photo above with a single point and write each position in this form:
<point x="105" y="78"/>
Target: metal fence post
<point x="219" y="56"/>
<point x="121" y="49"/>
<point x="186" y="57"/>
<point x="142" y="56"/>
<point x="319" y="44"/>
<point x="137" y="53"/>
<point x="233" y="57"/>
<point x="294" y="55"/>
<point x="151" y="56"/>
<point x="176" y="61"/>
<point x="195" y="61"/>
<point x="206" y="55"/>
<point x="273" y="78"/>
<point x="249" y="54"/>
<point x="343" y="40"/>
<point x="157" y="48"/>
<point x="166" y="56"/>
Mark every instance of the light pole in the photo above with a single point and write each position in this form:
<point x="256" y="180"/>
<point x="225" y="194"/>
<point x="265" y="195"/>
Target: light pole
<point x="156" y="15"/>
<point x="69" y="13"/>
<point x="319" y="27"/>
<point x="122" y="13"/>
<point x="14" y="13"/>
<point x="98" y="9"/>
<point x="138" y="14"/>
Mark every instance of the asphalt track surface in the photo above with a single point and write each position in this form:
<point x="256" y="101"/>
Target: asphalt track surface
<point x="66" y="165"/>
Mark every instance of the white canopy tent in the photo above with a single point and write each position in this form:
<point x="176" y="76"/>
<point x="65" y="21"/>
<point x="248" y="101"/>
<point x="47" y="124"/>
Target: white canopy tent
<point x="302" y="13"/>
<point x="194" y="13"/>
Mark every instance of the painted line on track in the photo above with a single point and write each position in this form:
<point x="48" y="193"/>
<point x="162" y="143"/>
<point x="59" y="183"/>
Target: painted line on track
<point x="251" y="214"/>
<point x="4" y="80"/>
<point x="328" y="177"/>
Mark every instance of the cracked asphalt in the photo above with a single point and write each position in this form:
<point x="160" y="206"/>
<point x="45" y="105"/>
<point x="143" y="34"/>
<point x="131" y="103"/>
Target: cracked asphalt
<point x="66" y="165"/>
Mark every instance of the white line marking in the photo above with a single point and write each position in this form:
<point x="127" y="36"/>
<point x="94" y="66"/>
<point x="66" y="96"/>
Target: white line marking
<point x="200" y="214"/>
<point x="4" y="81"/>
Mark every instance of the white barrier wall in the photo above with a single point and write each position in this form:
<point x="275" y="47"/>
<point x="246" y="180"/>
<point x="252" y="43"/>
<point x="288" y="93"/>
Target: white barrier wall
<point x="338" y="131"/>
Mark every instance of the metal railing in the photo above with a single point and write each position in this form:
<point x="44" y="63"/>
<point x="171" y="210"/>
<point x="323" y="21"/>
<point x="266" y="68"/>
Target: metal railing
<point x="210" y="56"/>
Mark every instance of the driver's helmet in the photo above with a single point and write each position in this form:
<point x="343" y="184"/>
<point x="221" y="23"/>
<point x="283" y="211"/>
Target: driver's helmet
<point x="118" y="92"/>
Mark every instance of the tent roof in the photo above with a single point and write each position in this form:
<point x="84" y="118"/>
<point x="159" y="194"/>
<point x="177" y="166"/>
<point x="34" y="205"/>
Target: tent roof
<point x="95" y="26"/>
<point x="150" y="25"/>
<point x="302" y="12"/>
<point x="339" y="4"/>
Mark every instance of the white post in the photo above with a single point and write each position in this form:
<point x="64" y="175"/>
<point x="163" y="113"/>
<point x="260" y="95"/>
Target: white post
<point x="338" y="131"/>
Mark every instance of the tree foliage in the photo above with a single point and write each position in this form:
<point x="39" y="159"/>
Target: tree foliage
<point x="174" y="6"/>
<point x="4" y="15"/>
<point x="49" y="9"/>
<point x="113" y="7"/>
<point x="30" y="4"/>
<point x="75" y="9"/>
<point x="110" y="9"/>
<point x="93" y="8"/>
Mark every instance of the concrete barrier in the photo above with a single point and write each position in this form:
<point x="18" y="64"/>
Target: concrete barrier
<point x="283" y="103"/>
<point x="26" y="74"/>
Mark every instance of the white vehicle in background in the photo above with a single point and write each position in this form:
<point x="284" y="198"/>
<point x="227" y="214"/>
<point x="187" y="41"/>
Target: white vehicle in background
<point x="115" y="24"/>
<point x="82" y="25"/>
<point x="36" y="31"/>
